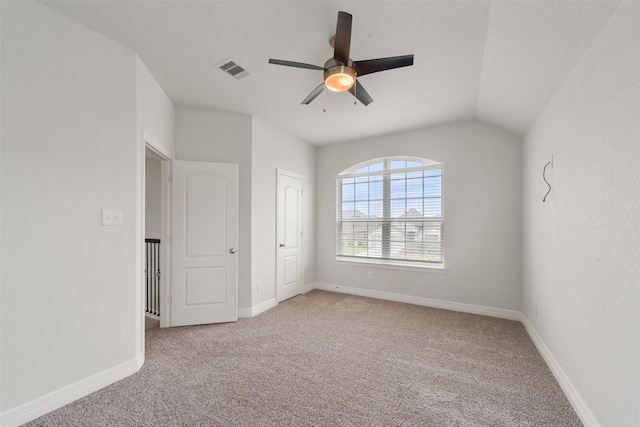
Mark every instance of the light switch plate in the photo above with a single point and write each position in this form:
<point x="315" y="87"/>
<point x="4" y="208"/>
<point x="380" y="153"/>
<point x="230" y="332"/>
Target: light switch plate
<point x="111" y="217"/>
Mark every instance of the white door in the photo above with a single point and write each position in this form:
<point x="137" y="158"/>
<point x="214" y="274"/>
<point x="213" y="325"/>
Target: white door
<point x="204" y="271"/>
<point x="289" y="233"/>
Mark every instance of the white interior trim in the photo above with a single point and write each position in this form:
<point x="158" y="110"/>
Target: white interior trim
<point x="50" y="402"/>
<point x="579" y="405"/>
<point x="427" y="302"/>
<point x="308" y="288"/>
<point x="150" y="143"/>
<point x="391" y="264"/>
<point x="155" y="146"/>
<point x="257" y="309"/>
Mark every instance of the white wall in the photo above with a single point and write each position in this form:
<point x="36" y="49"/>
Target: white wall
<point x="273" y="149"/>
<point x="483" y="215"/>
<point x="214" y="136"/>
<point x="581" y="247"/>
<point x="68" y="151"/>
<point x="152" y="200"/>
<point x="155" y="111"/>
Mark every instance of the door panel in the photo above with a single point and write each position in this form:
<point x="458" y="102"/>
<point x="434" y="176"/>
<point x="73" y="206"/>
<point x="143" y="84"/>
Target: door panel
<point x="205" y="237"/>
<point x="205" y="216"/>
<point x="197" y="289"/>
<point x="292" y="198"/>
<point x="291" y="273"/>
<point x="289" y="232"/>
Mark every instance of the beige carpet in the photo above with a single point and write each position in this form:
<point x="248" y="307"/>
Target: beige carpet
<point x="151" y="322"/>
<point x="329" y="359"/>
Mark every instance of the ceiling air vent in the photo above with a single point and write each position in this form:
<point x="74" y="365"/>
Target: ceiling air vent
<point x="233" y="69"/>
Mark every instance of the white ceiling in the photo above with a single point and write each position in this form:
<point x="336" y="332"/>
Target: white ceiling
<point x="497" y="61"/>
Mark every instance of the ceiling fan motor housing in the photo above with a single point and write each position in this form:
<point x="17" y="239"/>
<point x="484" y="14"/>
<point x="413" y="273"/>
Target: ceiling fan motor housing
<point x="339" y="77"/>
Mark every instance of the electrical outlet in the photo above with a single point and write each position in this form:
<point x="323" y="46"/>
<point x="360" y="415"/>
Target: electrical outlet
<point x="369" y="275"/>
<point x="259" y="287"/>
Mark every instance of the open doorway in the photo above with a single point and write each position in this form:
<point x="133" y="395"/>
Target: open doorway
<point x="156" y="200"/>
<point x="153" y="273"/>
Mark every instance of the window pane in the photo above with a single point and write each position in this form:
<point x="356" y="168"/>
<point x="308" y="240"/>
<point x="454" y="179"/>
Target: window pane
<point x="362" y="191"/>
<point x="376" y="167"/>
<point x="414" y="229"/>
<point x="375" y="209"/>
<point x="362" y="170"/>
<point x="398" y="189"/>
<point x="433" y="186"/>
<point x="398" y="164"/>
<point x="375" y="190"/>
<point x="348" y="181"/>
<point x="348" y="192"/>
<point x="414" y="187"/>
<point x="398" y="208"/>
<point x="361" y="209"/>
<point x="414" y="208"/>
<point x="433" y="207"/>
<point x="348" y="207"/>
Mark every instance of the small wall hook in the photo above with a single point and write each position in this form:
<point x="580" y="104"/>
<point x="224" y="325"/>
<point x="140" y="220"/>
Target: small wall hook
<point x="544" y="177"/>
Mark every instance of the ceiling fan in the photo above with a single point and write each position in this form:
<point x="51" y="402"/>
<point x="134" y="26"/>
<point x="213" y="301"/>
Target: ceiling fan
<point x="341" y="72"/>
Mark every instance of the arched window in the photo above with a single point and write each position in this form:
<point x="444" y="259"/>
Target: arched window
<point x="390" y="210"/>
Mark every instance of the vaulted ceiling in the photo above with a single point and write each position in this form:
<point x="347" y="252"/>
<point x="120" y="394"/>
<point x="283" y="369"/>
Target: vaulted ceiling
<point x="497" y="61"/>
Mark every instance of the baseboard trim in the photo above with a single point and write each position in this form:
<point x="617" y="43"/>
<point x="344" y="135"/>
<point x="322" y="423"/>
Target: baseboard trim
<point x="308" y="288"/>
<point x="36" y="408"/>
<point x="257" y="309"/>
<point x="574" y="397"/>
<point x="427" y="302"/>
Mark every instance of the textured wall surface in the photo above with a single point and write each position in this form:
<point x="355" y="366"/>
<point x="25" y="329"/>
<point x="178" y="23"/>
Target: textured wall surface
<point x="69" y="150"/>
<point x="581" y="262"/>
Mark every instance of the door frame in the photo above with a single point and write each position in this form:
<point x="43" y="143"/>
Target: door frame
<point x="148" y="142"/>
<point x="280" y="172"/>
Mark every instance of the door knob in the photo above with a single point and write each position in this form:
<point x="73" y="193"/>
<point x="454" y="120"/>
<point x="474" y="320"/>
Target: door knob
<point x="282" y="245"/>
<point x="232" y="250"/>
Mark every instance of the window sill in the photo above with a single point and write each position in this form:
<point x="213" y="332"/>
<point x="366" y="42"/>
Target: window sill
<point x="394" y="265"/>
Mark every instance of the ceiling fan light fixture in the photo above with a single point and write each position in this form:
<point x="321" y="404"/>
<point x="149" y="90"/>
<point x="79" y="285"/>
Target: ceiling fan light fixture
<point x="340" y="72"/>
<point x="339" y="78"/>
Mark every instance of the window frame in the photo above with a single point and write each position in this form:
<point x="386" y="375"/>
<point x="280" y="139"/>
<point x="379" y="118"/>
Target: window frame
<point x="385" y="259"/>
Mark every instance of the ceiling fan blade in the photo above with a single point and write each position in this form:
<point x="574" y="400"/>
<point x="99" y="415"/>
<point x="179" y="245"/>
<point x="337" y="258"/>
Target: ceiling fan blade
<point x="314" y="94"/>
<point x="381" y="64"/>
<point x="358" y="91"/>
<point x="343" y="38"/>
<point x="294" y="64"/>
